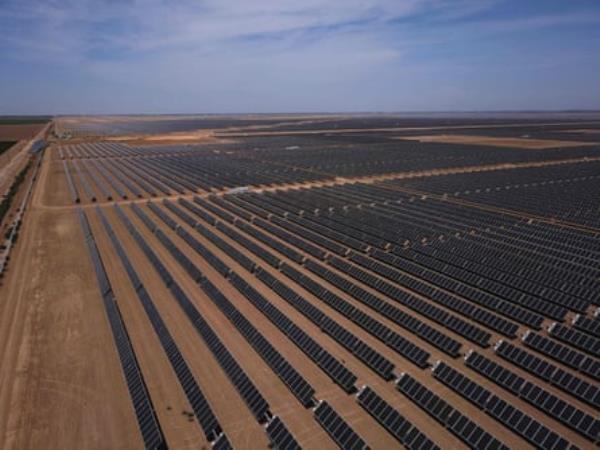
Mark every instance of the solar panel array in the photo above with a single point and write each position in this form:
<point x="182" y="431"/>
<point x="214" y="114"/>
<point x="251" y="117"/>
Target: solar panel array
<point x="406" y="433"/>
<point x="508" y="415"/>
<point x="424" y="312"/>
<point x="197" y="399"/>
<point x="142" y="403"/>
<point x="573" y="190"/>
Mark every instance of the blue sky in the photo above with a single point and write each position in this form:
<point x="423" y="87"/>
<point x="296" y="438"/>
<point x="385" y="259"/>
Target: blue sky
<point x="223" y="56"/>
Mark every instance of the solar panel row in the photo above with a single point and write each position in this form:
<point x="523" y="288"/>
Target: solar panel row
<point x="406" y="298"/>
<point x="258" y="299"/>
<point x="256" y="249"/>
<point x="392" y="339"/>
<point x="245" y="387"/>
<point x="210" y="425"/>
<point x="457" y="324"/>
<point x="510" y="416"/>
<point x="503" y="285"/>
<point x="578" y="339"/>
<point x="396" y="424"/>
<point x="340" y="375"/>
<point x="98" y="181"/>
<point x="228" y="249"/>
<point x="145" y="179"/>
<point x="198" y="211"/>
<point x="395" y="314"/>
<point x="290" y="238"/>
<point x="295" y="382"/>
<point x="113" y="179"/>
<point x="282" y="248"/>
<point x="409" y="277"/>
<point x="280" y="437"/>
<point x="151" y="431"/>
<point x="587" y="325"/>
<point x="363" y="352"/>
<point x="342" y="433"/>
<point x="437" y="217"/>
<point x="464" y="428"/>
<point x="555" y="407"/>
<point x="233" y="209"/>
<point x="549" y="372"/>
<point x="84" y="182"/>
<point x="477" y="295"/>
<point x="563" y="354"/>
<point x="72" y="189"/>
<point x="485" y="292"/>
<point x="330" y="365"/>
<point x="216" y="211"/>
<point x="121" y="176"/>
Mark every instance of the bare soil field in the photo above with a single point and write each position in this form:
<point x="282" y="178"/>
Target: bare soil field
<point x="197" y="137"/>
<point x="19" y="132"/>
<point x="61" y="384"/>
<point x="524" y="143"/>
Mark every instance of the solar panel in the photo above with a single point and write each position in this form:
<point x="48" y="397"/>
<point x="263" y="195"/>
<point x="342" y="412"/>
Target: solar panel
<point x="337" y="428"/>
<point x="563" y="354"/>
<point x="549" y="372"/>
<point x="571" y="336"/>
<point x="396" y="424"/>
<point x="246" y="388"/>
<point x="195" y="396"/>
<point x="463" y="427"/>
<point x="570" y="415"/>
<point x="280" y="437"/>
<point x="505" y="413"/>
<point x="222" y="443"/>
<point x="144" y="410"/>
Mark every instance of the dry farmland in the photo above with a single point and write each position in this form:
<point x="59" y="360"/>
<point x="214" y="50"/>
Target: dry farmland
<point x="307" y="282"/>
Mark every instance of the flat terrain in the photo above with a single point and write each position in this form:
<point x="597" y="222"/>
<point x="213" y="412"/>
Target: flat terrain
<point x="11" y="161"/>
<point x="14" y="161"/>
<point x="17" y="132"/>
<point x="534" y="144"/>
<point x="382" y="256"/>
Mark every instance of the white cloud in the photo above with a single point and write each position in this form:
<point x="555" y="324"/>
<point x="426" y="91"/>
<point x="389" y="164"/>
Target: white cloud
<point x="245" y="55"/>
<point x="149" y="25"/>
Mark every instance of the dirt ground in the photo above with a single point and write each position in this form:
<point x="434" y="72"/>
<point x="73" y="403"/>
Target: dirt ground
<point x="61" y="382"/>
<point x="11" y="163"/>
<point x="19" y="132"/>
<point x="523" y="143"/>
<point x="196" y="137"/>
<point x="18" y="198"/>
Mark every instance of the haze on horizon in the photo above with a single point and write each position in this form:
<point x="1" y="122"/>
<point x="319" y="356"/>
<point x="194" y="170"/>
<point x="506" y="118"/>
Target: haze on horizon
<point x="185" y="56"/>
